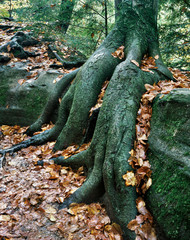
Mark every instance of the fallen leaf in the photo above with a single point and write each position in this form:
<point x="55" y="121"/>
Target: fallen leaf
<point x="50" y="209"/>
<point x="130" y="178"/>
<point x="149" y="183"/>
<point x="119" y="53"/>
<point x="52" y="218"/>
<point x="135" y="62"/>
<point x="5" y="218"/>
<point x="21" y="81"/>
<point x="133" y="225"/>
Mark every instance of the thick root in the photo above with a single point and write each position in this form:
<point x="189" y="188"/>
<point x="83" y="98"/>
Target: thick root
<point x="154" y="51"/>
<point x="75" y="161"/>
<point x="91" y="190"/>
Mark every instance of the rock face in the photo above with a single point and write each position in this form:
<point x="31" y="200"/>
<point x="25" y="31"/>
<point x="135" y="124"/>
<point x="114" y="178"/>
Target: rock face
<point x="169" y="196"/>
<point x="22" y="104"/>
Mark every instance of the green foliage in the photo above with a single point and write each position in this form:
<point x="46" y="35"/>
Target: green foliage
<point x="4" y="8"/>
<point x="87" y="25"/>
<point x="174" y="30"/>
<point x="87" y="29"/>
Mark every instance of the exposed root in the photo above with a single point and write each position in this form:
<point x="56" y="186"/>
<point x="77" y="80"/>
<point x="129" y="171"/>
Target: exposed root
<point x="161" y="67"/>
<point x="111" y="143"/>
<point x="74" y="161"/>
<point x="53" y="102"/>
<point x="91" y="190"/>
<point x="48" y="135"/>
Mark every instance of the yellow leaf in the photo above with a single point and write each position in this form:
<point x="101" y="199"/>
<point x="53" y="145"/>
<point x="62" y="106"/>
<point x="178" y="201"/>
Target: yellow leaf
<point x="130" y="178"/>
<point x="132" y="152"/>
<point x="52" y="218"/>
<point x="156" y="57"/>
<point x="5" y="218"/>
<point x="143" y="137"/>
<point x="149" y="183"/>
<point x="50" y="210"/>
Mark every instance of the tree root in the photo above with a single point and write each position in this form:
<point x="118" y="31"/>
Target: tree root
<point x="74" y="161"/>
<point x="53" y="102"/>
<point x="48" y="135"/>
<point x="65" y="64"/>
<point x="17" y="44"/>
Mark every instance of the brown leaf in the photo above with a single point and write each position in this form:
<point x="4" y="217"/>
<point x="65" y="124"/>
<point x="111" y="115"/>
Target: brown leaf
<point x="133" y="225"/>
<point x="50" y="209"/>
<point x="119" y="53"/>
<point x="135" y="62"/>
<point x="156" y="57"/>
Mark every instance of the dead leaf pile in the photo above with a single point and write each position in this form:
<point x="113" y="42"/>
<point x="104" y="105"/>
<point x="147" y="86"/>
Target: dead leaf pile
<point x="30" y="195"/>
<point x="148" y="63"/>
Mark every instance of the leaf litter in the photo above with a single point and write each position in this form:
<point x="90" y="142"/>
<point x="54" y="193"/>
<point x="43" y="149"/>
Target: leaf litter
<point x="30" y="195"/>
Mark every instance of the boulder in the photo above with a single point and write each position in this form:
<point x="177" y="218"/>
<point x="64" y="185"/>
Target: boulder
<point x="169" y="154"/>
<point x="23" y="104"/>
<point x="18" y="41"/>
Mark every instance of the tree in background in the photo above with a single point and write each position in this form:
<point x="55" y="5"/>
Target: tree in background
<point x="91" y="22"/>
<point x="174" y="32"/>
<point x="65" y="14"/>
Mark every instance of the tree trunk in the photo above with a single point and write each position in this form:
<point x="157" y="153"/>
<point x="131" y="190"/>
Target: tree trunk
<point x="117" y="7"/>
<point x="106" y="158"/>
<point x="66" y="13"/>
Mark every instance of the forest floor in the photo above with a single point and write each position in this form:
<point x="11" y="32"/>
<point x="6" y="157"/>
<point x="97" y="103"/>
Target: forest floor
<point x="30" y="194"/>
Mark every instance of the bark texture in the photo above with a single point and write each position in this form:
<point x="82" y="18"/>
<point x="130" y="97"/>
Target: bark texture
<point x="106" y="158"/>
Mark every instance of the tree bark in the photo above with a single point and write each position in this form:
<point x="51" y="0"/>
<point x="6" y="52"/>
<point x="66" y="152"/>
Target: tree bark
<point x="106" y="158"/>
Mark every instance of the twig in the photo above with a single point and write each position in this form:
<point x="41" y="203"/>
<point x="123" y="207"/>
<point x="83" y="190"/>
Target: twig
<point x="2" y="160"/>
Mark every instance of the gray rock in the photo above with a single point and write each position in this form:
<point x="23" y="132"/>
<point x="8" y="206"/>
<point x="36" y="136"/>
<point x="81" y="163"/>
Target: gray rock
<point x="22" y="104"/>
